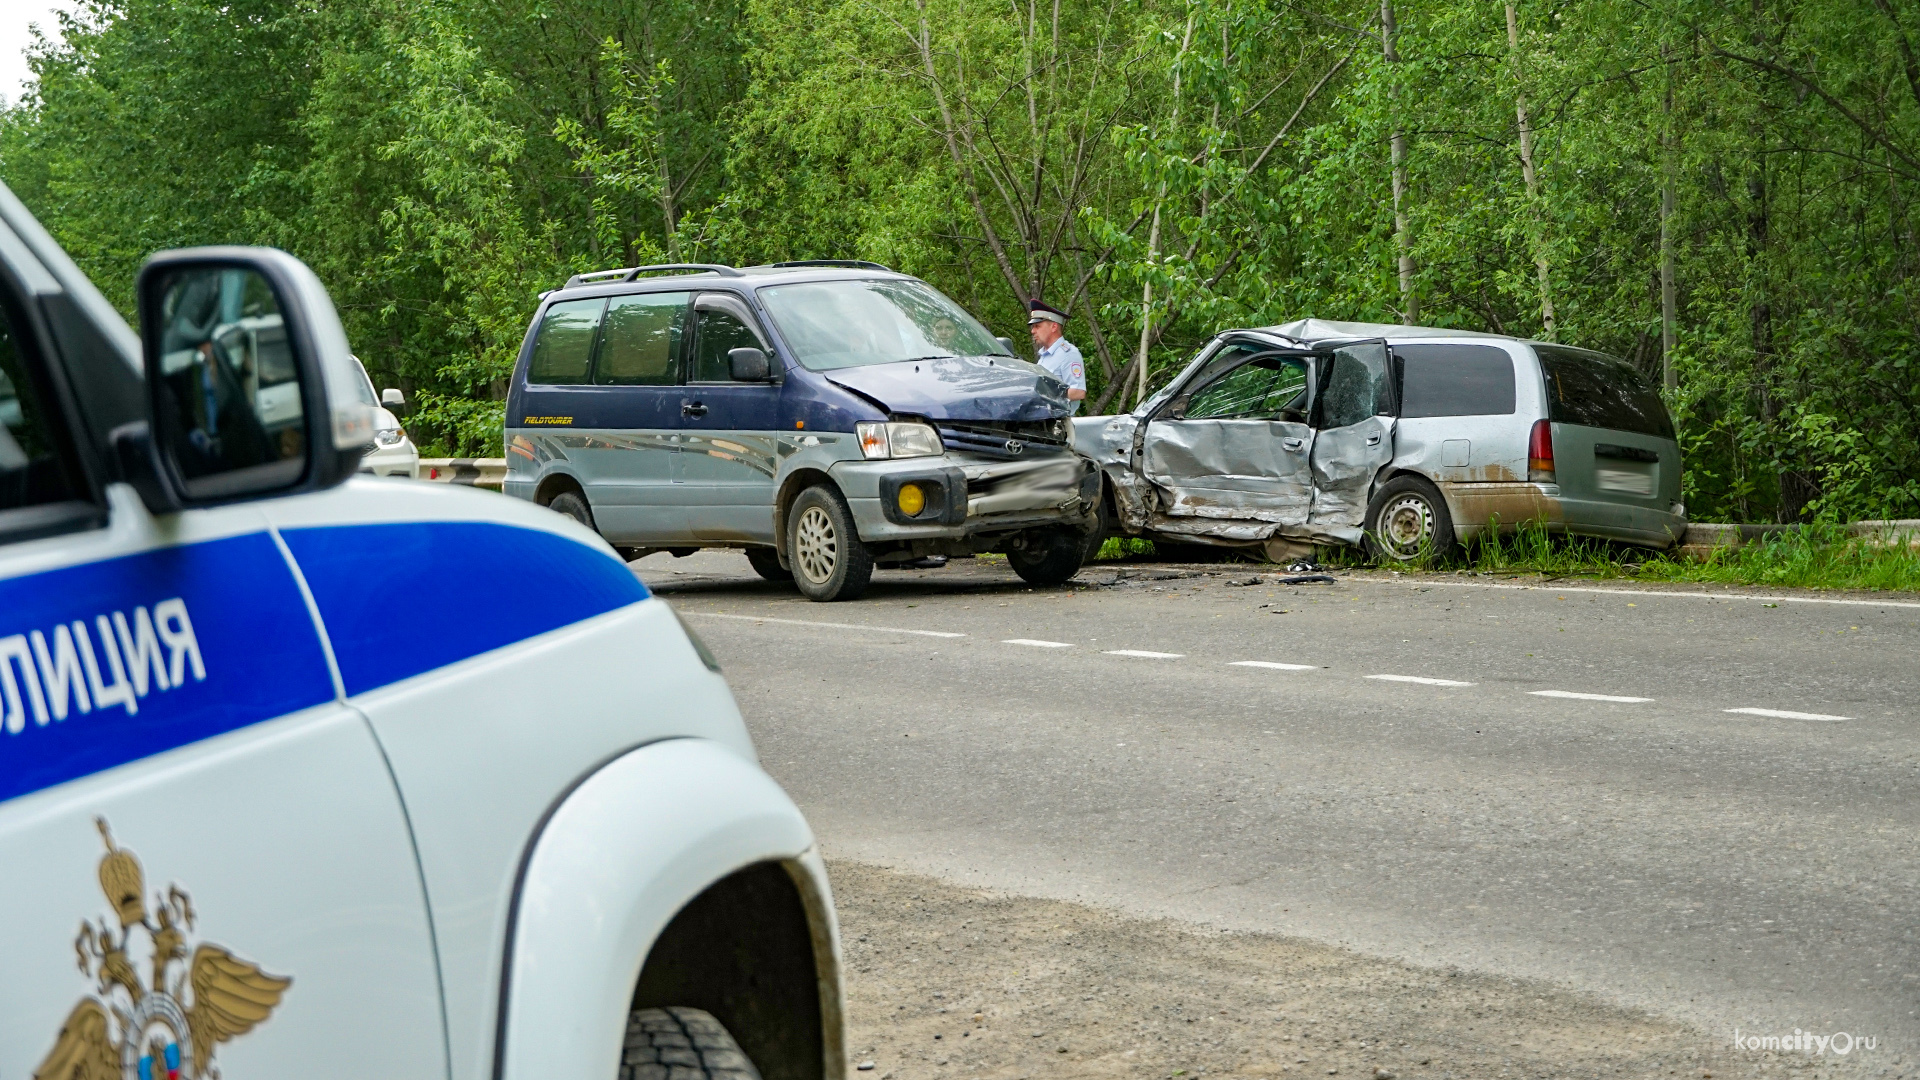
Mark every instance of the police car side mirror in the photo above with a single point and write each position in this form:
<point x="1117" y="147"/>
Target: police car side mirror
<point x="251" y="389"/>
<point x="393" y="400"/>
<point x="1006" y="345"/>
<point x="748" y="365"/>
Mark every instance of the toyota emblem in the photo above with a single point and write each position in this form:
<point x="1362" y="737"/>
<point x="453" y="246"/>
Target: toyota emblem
<point x="1016" y="447"/>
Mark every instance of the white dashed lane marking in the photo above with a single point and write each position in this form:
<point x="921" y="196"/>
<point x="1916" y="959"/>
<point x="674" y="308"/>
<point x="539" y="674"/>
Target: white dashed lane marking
<point x="1571" y="695"/>
<point x="1782" y="714"/>
<point x="827" y="625"/>
<point x="1421" y="679"/>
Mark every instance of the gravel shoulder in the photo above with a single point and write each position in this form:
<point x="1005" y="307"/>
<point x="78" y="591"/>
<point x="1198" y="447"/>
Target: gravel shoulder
<point x="949" y="982"/>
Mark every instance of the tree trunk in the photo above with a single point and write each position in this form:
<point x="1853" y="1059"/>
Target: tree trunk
<point x="1668" y="378"/>
<point x="1402" y="233"/>
<point x="1540" y="262"/>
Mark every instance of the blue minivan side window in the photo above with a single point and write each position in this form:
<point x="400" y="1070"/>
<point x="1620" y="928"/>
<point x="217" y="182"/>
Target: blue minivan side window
<point x="640" y="342"/>
<point x="563" y="349"/>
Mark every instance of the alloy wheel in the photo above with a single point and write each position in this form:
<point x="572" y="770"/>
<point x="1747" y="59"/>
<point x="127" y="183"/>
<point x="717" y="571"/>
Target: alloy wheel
<point x="816" y="548"/>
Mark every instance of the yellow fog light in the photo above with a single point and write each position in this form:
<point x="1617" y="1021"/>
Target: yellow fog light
<point x="912" y="499"/>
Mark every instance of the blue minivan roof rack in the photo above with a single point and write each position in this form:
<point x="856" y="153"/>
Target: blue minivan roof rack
<point x="628" y="273"/>
<point x="856" y="264"/>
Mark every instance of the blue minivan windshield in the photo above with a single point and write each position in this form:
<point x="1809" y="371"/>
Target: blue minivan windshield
<point x="843" y="324"/>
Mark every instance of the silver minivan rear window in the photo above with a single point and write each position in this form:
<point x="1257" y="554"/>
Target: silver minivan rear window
<point x="1591" y="389"/>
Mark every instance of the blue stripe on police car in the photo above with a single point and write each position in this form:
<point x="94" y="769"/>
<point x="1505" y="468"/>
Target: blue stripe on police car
<point x="114" y="661"/>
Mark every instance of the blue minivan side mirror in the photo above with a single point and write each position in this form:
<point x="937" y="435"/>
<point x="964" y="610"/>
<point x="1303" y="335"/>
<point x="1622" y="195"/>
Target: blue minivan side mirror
<point x="251" y="388"/>
<point x="748" y="365"/>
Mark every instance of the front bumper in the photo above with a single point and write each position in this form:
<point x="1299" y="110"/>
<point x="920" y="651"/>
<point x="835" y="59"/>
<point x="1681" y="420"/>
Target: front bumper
<point x="400" y="459"/>
<point x="966" y="496"/>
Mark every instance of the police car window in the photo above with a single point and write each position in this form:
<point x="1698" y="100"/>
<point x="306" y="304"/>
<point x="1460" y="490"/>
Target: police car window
<point x="1455" y="380"/>
<point x="1274" y="388"/>
<point x="563" y="348"/>
<point x="229" y="397"/>
<point x="720" y="332"/>
<point x="32" y="469"/>
<point x="640" y="341"/>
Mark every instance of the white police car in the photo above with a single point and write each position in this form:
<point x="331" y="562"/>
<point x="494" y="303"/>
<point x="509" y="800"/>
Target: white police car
<point x="254" y="824"/>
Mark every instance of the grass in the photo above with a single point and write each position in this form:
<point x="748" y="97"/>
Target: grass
<point x="1814" y="557"/>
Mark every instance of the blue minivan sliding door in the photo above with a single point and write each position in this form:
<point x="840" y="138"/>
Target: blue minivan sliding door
<point x="636" y="375"/>
<point x="732" y="429"/>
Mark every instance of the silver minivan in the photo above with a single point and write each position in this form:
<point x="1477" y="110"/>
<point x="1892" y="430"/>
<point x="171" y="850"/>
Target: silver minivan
<point x="1406" y="439"/>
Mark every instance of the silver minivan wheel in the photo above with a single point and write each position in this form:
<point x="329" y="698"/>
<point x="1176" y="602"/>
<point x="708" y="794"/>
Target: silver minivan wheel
<point x="1407" y="525"/>
<point x="1408" y="520"/>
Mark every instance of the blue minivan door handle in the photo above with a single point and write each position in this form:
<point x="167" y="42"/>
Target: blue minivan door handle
<point x="693" y="409"/>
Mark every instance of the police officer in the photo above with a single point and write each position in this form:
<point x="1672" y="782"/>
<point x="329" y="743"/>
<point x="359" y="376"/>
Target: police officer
<point x="1056" y="353"/>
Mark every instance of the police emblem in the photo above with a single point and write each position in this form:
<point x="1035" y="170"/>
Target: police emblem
<point x="168" y="1028"/>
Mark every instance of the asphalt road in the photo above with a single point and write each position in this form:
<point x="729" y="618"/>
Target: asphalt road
<point x="1395" y="780"/>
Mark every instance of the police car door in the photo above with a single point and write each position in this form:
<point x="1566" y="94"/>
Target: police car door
<point x="206" y="865"/>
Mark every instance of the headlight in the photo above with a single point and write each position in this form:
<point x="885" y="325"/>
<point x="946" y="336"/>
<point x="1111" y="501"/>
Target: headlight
<point x="898" y="440"/>
<point x="389" y="436"/>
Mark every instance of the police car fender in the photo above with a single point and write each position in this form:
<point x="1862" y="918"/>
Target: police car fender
<point x="615" y="862"/>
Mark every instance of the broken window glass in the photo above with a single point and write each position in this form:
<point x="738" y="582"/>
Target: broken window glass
<point x="1274" y="388"/>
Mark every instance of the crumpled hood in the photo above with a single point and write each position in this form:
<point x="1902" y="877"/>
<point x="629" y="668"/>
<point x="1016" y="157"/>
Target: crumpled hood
<point x="960" y="388"/>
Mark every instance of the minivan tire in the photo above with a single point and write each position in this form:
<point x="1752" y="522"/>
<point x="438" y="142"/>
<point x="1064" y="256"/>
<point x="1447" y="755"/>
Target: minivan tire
<point x="766" y="562"/>
<point x="1051" y="556"/>
<point x="829" y="561"/>
<point x="1408" y="520"/>
<point x="682" y="1043"/>
<point x="574" y="505"/>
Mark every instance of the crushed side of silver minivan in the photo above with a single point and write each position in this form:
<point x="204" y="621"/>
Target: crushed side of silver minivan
<point x="1407" y="439"/>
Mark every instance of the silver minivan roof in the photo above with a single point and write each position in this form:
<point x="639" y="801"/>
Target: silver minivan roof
<point x="1311" y="330"/>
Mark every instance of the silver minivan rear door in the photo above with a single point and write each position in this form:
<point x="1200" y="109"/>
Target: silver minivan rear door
<point x="1353" y="438"/>
<point x="1235" y="444"/>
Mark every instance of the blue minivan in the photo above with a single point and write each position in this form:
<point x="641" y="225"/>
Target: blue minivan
<point x="826" y="416"/>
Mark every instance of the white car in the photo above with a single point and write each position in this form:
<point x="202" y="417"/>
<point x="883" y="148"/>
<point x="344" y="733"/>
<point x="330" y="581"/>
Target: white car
<point x="253" y="825"/>
<point x="392" y="453"/>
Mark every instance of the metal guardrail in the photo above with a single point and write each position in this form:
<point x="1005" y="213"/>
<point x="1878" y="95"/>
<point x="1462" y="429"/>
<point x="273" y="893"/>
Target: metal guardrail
<point x="1705" y="538"/>
<point x="472" y="472"/>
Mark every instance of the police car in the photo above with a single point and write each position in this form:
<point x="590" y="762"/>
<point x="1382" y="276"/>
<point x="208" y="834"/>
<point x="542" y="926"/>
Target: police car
<point x="252" y="824"/>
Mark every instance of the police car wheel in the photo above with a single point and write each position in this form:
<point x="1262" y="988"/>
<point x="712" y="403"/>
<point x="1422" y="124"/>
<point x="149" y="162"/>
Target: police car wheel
<point x="678" y="1043"/>
<point x="766" y="562"/>
<point x="574" y="505"/>
<point x="1050" y="557"/>
<point x="823" y="547"/>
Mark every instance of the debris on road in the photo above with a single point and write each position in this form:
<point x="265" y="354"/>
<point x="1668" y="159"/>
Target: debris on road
<point x="1146" y="999"/>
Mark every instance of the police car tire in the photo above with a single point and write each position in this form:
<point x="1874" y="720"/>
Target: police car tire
<point x="766" y="562"/>
<point x="1049" y="559"/>
<point x="574" y="505"/>
<point x="678" y="1043"/>
<point x="852" y="568"/>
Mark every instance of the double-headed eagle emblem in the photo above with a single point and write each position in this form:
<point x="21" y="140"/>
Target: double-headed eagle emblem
<point x="167" y="1026"/>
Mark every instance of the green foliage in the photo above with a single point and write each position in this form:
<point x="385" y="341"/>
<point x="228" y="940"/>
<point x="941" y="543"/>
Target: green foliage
<point x="1162" y="169"/>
